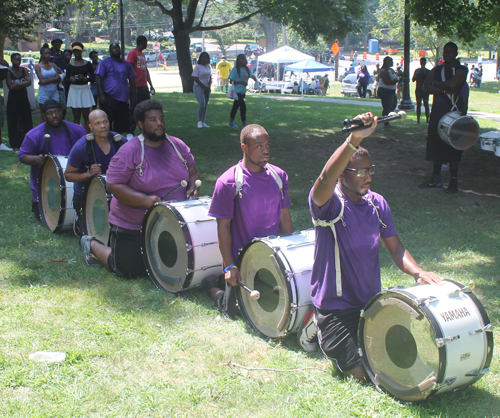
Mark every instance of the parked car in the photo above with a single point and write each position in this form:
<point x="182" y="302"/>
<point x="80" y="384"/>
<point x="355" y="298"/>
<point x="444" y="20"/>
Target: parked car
<point x="169" y="54"/>
<point x="349" y="85"/>
<point x="195" y="47"/>
<point x="150" y="56"/>
<point x="253" y="49"/>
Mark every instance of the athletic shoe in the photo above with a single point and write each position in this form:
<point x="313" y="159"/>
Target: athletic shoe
<point x="200" y="125"/>
<point x="307" y="335"/>
<point x="87" y="254"/>
<point x="205" y="125"/>
<point x="434" y="181"/>
<point x="452" y="186"/>
<point x="129" y="136"/>
<point x="232" y="125"/>
<point x="4" y="147"/>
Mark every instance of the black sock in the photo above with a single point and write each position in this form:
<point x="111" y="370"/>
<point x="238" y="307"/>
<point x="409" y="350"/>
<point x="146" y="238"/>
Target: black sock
<point x="454" y="172"/>
<point x="437" y="169"/>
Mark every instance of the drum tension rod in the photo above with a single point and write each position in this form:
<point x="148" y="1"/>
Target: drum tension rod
<point x="477" y="372"/>
<point x="486" y="328"/>
<point x="440" y="342"/>
<point x="447" y="382"/>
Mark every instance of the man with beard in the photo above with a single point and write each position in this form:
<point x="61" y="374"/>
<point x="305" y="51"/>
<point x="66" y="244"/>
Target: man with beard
<point x="113" y="77"/>
<point x="145" y="168"/>
<point x="258" y="207"/>
<point x="350" y="221"/>
<point x="90" y="157"/>
<point x="54" y="136"/>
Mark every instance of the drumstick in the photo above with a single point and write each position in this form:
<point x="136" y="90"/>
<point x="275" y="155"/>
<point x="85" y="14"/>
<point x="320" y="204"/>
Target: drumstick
<point x="184" y="183"/>
<point x="197" y="185"/>
<point x="391" y="116"/>
<point x="254" y="294"/>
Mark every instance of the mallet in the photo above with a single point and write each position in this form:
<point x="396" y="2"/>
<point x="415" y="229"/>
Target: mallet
<point x="197" y="185"/>
<point x="184" y="183"/>
<point x="254" y="294"/>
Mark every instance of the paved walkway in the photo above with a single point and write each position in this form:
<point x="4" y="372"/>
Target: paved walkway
<point x="478" y="115"/>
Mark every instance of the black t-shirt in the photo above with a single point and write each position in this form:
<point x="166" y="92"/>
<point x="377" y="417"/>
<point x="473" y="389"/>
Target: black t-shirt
<point x="82" y="73"/>
<point x="419" y="76"/>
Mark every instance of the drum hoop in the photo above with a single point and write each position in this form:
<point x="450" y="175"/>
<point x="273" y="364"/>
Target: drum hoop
<point x="287" y="294"/>
<point x="187" y="236"/>
<point x="435" y="327"/>
<point x="85" y="190"/>
<point x="448" y="142"/>
<point x="62" y="185"/>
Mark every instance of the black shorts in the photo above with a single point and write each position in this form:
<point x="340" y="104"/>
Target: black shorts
<point x="437" y="150"/>
<point x="125" y="258"/>
<point x="420" y="95"/>
<point x="338" y="336"/>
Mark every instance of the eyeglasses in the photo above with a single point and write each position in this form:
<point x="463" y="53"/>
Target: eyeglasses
<point x="361" y="172"/>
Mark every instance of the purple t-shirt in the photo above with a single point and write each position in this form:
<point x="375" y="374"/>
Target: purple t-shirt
<point x="115" y="77"/>
<point x="60" y="144"/>
<point x="257" y="213"/>
<point x="162" y="169"/>
<point x="359" y="251"/>
<point x="79" y="158"/>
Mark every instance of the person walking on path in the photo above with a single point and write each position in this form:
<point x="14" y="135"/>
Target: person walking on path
<point x="202" y="76"/>
<point x="363" y="78"/>
<point x="239" y="77"/>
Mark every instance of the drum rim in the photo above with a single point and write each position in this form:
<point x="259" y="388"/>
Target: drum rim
<point x="86" y="187"/>
<point x="447" y="141"/>
<point x="187" y="236"/>
<point x="62" y="188"/>
<point x="239" y="297"/>
<point x="435" y="327"/>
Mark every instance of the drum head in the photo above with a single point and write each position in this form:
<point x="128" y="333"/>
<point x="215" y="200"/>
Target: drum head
<point x="164" y="247"/>
<point x="50" y="195"/>
<point x="464" y="133"/>
<point x="262" y="270"/>
<point x="398" y="345"/>
<point x="96" y="209"/>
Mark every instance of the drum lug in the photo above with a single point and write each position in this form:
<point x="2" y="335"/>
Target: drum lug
<point x="486" y="328"/>
<point x="477" y="372"/>
<point x="447" y="382"/>
<point x="424" y="301"/>
<point x="459" y="292"/>
<point x="440" y="342"/>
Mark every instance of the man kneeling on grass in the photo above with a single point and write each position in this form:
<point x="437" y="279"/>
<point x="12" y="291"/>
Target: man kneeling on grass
<point x="146" y="167"/>
<point x="339" y="292"/>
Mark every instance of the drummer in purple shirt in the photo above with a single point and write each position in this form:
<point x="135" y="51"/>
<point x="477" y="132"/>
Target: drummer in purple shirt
<point x="341" y="199"/>
<point x="62" y="136"/>
<point x="145" y="168"/>
<point x="258" y="209"/>
<point x="91" y="156"/>
<point x="113" y="76"/>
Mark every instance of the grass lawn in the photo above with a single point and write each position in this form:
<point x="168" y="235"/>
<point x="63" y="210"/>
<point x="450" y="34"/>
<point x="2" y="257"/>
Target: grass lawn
<point x="138" y="352"/>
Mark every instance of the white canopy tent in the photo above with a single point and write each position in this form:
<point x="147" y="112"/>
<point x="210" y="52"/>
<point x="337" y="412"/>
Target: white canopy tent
<point x="283" y="55"/>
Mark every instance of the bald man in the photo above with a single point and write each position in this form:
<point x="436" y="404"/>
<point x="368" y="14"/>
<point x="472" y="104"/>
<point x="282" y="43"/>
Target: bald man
<point x="90" y="157"/>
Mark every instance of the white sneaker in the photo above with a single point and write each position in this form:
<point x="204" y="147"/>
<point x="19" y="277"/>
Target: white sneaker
<point x="205" y="125"/>
<point x="129" y="136"/>
<point x="200" y="125"/>
<point x="4" y="147"/>
<point x="307" y="335"/>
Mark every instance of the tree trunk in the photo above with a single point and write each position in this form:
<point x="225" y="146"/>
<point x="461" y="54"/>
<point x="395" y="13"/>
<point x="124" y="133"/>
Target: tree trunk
<point x="2" y="43"/>
<point x="182" y="42"/>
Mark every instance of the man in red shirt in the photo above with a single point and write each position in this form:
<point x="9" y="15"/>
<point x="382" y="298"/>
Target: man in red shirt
<point x="138" y="60"/>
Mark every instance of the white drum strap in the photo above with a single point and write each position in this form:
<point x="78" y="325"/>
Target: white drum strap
<point x="331" y="224"/>
<point x="141" y="139"/>
<point x="238" y="179"/>
<point x="369" y="200"/>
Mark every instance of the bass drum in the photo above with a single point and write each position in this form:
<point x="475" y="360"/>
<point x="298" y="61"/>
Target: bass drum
<point x="179" y="244"/>
<point x="461" y="132"/>
<point x="55" y="195"/>
<point x="95" y="209"/>
<point x="418" y="341"/>
<point x="280" y="269"/>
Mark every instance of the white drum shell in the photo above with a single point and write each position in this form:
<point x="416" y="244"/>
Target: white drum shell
<point x="450" y="130"/>
<point x="496" y="147"/>
<point x="488" y="140"/>
<point x="295" y="256"/>
<point x="61" y="218"/>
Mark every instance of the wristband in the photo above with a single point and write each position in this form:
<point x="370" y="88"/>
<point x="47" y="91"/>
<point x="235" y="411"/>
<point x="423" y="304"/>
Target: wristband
<point x="230" y="267"/>
<point x="353" y="147"/>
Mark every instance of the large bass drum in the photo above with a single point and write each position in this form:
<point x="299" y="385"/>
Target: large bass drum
<point x="55" y="195"/>
<point x="179" y="244"/>
<point x="95" y="209"/>
<point x="461" y="132"/>
<point x="418" y="341"/>
<point x="280" y="269"/>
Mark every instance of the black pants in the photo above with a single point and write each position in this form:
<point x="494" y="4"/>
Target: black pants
<point x="118" y="114"/>
<point x="77" y="205"/>
<point x="240" y="103"/>
<point x="388" y="98"/>
<point x="18" y="117"/>
<point x="142" y="95"/>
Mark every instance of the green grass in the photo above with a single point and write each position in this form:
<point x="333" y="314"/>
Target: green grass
<point x="135" y="351"/>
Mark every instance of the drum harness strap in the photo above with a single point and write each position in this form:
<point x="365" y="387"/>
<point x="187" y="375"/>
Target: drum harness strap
<point x="331" y="224"/>
<point x="451" y="96"/>
<point x="114" y="139"/>
<point x="141" y="139"/>
<point x="47" y="136"/>
<point x="238" y="179"/>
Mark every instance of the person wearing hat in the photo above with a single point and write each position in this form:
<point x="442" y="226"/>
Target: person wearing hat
<point x="59" y="56"/>
<point x="224" y="69"/>
<point x="80" y="98"/>
<point x="54" y="136"/>
<point x="113" y="76"/>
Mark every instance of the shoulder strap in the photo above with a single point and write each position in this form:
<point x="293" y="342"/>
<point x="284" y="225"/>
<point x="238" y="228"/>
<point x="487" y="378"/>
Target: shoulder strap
<point x="14" y="74"/>
<point x="141" y="139"/>
<point x="276" y="177"/>
<point x="238" y="179"/>
<point x="370" y="201"/>
<point x="90" y="146"/>
<point x="178" y="152"/>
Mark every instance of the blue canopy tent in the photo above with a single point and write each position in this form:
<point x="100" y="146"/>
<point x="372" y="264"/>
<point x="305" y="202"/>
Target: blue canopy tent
<point x="308" y="66"/>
